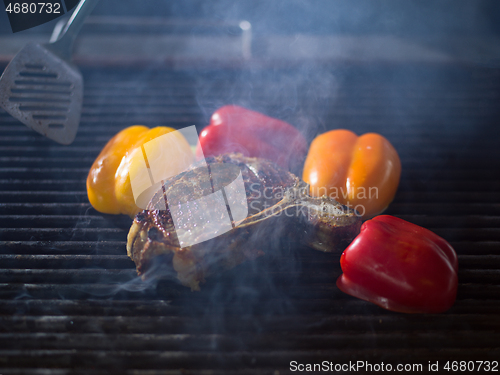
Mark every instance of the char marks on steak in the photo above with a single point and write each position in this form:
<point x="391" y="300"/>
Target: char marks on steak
<point x="278" y="205"/>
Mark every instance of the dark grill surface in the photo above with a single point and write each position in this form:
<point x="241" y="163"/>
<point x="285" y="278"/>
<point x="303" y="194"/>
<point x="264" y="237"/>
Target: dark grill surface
<point x="70" y="299"/>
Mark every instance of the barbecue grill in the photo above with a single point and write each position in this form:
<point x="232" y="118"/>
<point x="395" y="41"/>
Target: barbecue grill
<point x="70" y="298"/>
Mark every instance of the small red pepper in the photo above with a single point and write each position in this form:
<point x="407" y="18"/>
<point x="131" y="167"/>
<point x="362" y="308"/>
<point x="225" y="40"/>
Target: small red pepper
<point x="237" y="129"/>
<point x="400" y="267"/>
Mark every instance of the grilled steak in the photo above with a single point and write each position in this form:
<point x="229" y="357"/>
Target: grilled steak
<point x="278" y="205"/>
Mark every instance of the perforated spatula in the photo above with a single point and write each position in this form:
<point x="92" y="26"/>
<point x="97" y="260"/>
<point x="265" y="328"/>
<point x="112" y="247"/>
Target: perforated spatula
<point x="41" y="87"/>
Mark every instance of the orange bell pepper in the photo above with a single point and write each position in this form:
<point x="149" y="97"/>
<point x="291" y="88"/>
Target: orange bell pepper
<point x="360" y="172"/>
<point x="108" y="183"/>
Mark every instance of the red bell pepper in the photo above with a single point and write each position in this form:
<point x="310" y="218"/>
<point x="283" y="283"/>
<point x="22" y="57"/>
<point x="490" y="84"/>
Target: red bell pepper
<point x="237" y="129"/>
<point x="400" y="266"/>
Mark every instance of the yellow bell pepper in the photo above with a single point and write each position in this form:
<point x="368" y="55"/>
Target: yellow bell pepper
<point x="108" y="184"/>
<point x="361" y="172"/>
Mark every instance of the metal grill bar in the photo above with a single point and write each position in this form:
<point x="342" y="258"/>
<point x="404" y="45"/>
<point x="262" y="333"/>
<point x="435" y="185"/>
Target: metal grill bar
<point x="69" y="296"/>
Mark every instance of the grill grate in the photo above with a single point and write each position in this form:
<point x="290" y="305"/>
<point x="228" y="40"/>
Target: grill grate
<point x="69" y="295"/>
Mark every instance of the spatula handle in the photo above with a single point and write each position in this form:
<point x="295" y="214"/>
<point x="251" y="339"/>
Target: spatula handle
<point x="64" y="45"/>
